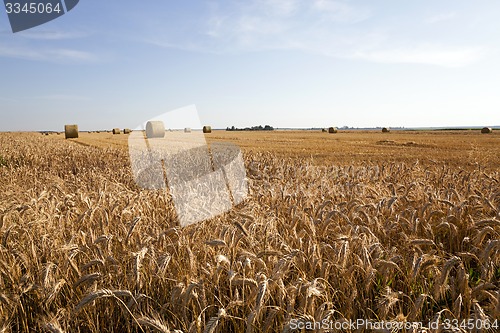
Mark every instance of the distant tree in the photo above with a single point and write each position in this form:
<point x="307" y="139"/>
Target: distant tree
<point x="253" y="128"/>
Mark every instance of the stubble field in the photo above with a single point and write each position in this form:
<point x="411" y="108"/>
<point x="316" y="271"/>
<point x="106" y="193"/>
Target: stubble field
<point x="400" y="226"/>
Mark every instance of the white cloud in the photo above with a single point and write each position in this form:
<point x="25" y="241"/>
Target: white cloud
<point x="279" y="7"/>
<point x="273" y="24"/>
<point x="441" y="17"/>
<point x="341" y="11"/>
<point x="7" y="99"/>
<point x="58" y="55"/>
<point x="334" y="28"/>
<point x="50" y="35"/>
<point x="63" y="97"/>
<point x="259" y="25"/>
<point x="428" y="54"/>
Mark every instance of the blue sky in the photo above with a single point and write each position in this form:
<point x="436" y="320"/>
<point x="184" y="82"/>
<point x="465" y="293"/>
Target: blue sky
<point x="287" y="63"/>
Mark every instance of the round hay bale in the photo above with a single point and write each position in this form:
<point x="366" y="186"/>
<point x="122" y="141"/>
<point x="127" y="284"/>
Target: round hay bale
<point x="116" y="131"/>
<point x="486" y="130"/>
<point x="332" y="130"/>
<point x="71" y="131"/>
<point x="127" y="131"/>
<point x="155" y="129"/>
<point x="207" y="129"/>
<point x="187" y="130"/>
<point x="385" y="130"/>
<point x="323" y="130"/>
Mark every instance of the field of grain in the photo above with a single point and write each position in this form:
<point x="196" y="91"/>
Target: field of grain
<point x="400" y="226"/>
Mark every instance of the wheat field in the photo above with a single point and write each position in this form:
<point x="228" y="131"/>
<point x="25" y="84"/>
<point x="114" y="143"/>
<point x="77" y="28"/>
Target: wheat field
<point x="356" y="225"/>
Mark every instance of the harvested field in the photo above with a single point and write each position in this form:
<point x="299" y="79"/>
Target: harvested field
<point x="346" y="226"/>
<point x="455" y="147"/>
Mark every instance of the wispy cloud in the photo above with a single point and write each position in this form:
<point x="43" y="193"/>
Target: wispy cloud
<point x="63" y="97"/>
<point x="428" y="54"/>
<point x="441" y="17"/>
<point x="271" y="24"/>
<point x="56" y="55"/>
<point x="280" y="7"/>
<point x="50" y="35"/>
<point x="341" y="11"/>
<point x="334" y="28"/>
<point x="7" y="99"/>
<point x="49" y="97"/>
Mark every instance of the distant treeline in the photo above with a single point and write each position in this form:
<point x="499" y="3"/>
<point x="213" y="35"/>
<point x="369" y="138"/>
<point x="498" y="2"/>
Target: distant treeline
<point x="254" y="128"/>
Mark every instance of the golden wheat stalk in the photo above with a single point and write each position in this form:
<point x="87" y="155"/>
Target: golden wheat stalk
<point x="102" y="293"/>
